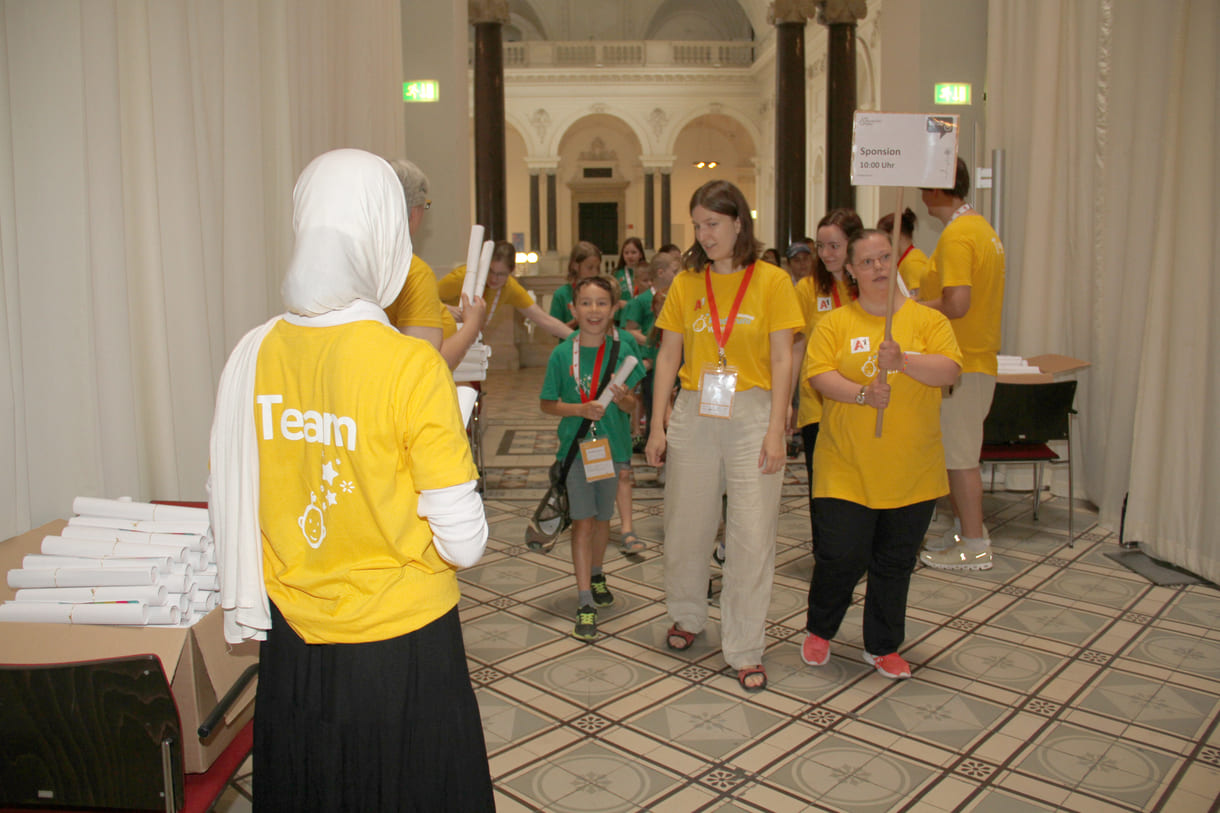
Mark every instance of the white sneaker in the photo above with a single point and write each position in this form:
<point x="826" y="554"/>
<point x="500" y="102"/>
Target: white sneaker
<point x="959" y="557"/>
<point x="947" y="540"/>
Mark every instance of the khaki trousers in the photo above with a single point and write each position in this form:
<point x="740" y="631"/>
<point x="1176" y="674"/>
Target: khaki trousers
<point x="705" y="459"/>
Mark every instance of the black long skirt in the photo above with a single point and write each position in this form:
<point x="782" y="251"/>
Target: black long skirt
<point x="382" y="726"/>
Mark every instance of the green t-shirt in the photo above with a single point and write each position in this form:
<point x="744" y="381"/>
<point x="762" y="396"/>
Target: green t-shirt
<point x="558" y="385"/>
<point x="560" y="302"/>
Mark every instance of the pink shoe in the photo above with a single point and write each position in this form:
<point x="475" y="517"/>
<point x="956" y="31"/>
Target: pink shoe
<point x="815" y="651"/>
<point x="893" y="666"/>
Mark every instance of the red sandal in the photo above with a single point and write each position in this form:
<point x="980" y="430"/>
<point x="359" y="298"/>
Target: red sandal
<point x="748" y="672"/>
<point x="687" y="639"/>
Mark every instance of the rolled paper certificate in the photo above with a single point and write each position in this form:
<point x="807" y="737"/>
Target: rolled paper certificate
<point x="176" y="582"/>
<point x="150" y="594"/>
<point x="207" y="581"/>
<point x="619" y="377"/>
<point x="169" y="615"/>
<point x="484" y="267"/>
<point x="128" y="509"/>
<point x="472" y="260"/>
<point x="205" y="602"/>
<point x="152" y="526"/>
<point x="180" y="600"/>
<point x="59" y="546"/>
<point x="466" y="399"/>
<point x="82" y="577"/>
<point x="133" y="613"/>
<point x="36" y="561"/>
<point x="192" y="541"/>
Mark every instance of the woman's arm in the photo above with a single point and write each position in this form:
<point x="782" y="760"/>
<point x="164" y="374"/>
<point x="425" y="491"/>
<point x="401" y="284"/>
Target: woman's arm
<point x="545" y="321"/>
<point x="669" y="358"/>
<point x="930" y="369"/>
<point x="590" y="409"/>
<point x="773" y="455"/>
<point x="834" y="385"/>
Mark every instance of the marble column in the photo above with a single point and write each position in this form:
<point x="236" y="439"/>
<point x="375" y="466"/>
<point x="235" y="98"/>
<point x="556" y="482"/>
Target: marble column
<point x="789" y="17"/>
<point x="490" y="176"/>
<point x="650" y="233"/>
<point x="535" y="243"/>
<point x="552" y="224"/>
<point x="839" y="17"/>
<point x="666" y="217"/>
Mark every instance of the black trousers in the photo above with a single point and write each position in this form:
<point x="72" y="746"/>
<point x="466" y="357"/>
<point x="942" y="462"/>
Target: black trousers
<point x="809" y="437"/>
<point x="854" y="540"/>
<point x="381" y="726"/>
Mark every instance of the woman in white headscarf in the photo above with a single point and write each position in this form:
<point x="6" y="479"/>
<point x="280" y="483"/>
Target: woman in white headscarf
<point x="343" y="500"/>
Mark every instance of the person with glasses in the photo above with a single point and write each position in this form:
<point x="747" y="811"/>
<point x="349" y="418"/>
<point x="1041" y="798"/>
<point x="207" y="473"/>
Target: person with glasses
<point x="503" y="292"/>
<point x="874" y="496"/>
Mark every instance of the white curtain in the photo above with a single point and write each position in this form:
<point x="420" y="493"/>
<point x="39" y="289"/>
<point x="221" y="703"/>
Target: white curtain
<point x="147" y="158"/>
<point x="1108" y="112"/>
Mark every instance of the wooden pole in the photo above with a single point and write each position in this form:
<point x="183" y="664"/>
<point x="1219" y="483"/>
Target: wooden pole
<point x="889" y="300"/>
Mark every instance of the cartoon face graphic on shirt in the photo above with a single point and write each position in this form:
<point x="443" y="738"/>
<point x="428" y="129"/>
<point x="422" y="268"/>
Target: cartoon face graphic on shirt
<point x="313" y="525"/>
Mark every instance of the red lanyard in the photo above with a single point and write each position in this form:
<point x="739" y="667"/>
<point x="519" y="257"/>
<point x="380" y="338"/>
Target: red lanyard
<point x="722" y="337"/>
<point x="904" y="254"/>
<point x="586" y="397"/>
<point x="834" y="293"/>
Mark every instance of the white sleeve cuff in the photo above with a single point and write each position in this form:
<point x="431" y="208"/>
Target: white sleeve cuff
<point x="459" y="527"/>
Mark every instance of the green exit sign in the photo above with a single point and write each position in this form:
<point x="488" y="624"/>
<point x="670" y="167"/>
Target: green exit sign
<point x="951" y="93"/>
<point x="421" y="90"/>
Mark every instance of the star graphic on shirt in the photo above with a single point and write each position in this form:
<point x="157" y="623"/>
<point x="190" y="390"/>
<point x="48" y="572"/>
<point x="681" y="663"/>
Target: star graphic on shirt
<point x="328" y="472"/>
<point x="331" y="499"/>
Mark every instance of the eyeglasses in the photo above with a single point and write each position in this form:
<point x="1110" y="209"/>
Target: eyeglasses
<point x="870" y="262"/>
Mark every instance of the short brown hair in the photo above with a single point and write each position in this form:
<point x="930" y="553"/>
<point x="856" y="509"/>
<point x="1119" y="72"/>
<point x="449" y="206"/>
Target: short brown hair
<point x="724" y="198"/>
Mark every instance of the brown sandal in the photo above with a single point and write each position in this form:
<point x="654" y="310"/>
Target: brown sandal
<point x="748" y="672"/>
<point x="685" y="639"/>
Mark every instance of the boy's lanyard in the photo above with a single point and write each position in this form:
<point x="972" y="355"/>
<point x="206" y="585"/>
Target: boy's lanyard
<point x="586" y="397"/>
<point x="722" y="337"/>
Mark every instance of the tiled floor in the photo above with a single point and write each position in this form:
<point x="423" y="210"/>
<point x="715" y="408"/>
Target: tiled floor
<point x="1058" y="680"/>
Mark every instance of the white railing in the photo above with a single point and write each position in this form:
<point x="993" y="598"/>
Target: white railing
<point x="650" y="54"/>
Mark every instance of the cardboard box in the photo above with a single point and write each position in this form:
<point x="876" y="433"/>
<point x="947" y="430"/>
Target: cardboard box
<point x="1054" y="367"/>
<point x="200" y="666"/>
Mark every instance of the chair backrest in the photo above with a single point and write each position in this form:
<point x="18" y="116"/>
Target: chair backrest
<point x="1029" y="413"/>
<point x="88" y="734"/>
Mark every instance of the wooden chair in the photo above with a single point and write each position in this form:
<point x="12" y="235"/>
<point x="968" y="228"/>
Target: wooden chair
<point x="106" y="734"/>
<point x="1022" y="420"/>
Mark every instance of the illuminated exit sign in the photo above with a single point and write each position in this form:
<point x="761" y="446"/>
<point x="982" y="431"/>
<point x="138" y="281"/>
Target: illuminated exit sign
<point x="421" y="90"/>
<point x="951" y="93"/>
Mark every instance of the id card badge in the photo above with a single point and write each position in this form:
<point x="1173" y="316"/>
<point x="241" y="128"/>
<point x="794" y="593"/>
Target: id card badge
<point x="595" y="454"/>
<point x="716" y="388"/>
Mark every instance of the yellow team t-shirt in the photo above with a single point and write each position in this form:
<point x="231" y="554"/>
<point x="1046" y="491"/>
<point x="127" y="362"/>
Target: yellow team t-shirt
<point x="769" y="305"/>
<point x="353" y="421"/>
<point x="511" y="295"/>
<point x="813" y="307"/>
<point x="969" y="253"/>
<point x="906" y="465"/>
<point x="417" y="304"/>
<point x="912" y="267"/>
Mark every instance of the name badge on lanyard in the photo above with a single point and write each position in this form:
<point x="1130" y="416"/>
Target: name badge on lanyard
<point x="595" y="452"/>
<point x="718" y="382"/>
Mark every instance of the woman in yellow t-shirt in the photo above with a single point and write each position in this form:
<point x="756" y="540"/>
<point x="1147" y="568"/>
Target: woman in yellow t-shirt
<point x="727" y="322"/>
<point x="912" y="263"/>
<point x="873" y="496"/>
<point x="343" y="501"/>
<point x="503" y="290"/>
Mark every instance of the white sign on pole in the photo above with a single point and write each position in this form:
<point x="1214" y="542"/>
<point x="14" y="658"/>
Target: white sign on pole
<point x="904" y="149"/>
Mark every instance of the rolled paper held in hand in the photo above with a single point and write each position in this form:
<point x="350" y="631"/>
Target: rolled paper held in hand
<point x="133" y="613"/>
<point x="619" y="377"/>
<point x="472" y="260"/>
<point x="480" y="284"/>
<point x="150" y="594"/>
<point x="128" y="509"/>
<point x="82" y="577"/>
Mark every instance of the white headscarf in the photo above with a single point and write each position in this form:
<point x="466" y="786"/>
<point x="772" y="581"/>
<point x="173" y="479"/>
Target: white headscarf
<point x="349" y="260"/>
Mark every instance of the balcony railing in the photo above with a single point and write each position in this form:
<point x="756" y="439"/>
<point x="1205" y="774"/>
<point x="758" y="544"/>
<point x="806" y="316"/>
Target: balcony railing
<point x="646" y="54"/>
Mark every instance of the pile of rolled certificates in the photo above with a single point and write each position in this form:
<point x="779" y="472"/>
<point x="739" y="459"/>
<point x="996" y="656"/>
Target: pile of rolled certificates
<point x="473" y="366"/>
<point x="119" y="562"/>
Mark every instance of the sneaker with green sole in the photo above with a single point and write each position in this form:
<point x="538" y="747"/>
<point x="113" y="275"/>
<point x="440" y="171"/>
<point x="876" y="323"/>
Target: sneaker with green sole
<point x="602" y="597"/>
<point x="586" y="624"/>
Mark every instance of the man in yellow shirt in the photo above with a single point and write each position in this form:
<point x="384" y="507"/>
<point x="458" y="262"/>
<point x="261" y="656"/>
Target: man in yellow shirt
<point x="965" y="282"/>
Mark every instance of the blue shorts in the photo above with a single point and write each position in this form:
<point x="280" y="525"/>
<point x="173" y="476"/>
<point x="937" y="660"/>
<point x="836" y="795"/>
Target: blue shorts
<point x="591" y="500"/>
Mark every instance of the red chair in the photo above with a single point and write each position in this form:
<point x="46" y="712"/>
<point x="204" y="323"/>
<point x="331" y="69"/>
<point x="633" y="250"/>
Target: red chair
<point x="106" y="735"/>
<point x="1022" y="420"/>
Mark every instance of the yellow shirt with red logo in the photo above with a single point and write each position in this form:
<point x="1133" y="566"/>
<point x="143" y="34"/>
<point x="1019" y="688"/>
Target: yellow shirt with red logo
<point x="511" y="295"/>
<point x="969" y="253"/>
<point x="906" y="465"/>
<point x="418" y="304"/>
<point x="769" y="305"/>
<point x="353" y="421"/>
<point x="814" y="306"/>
